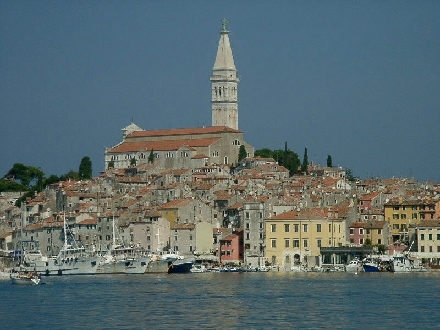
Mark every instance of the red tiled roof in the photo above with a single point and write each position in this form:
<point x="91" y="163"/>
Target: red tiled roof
<point x="162" y="145"/>
<point x="184" y="131"/>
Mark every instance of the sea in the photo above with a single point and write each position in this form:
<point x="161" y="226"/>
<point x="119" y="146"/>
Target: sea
<point x="271" y="300"/>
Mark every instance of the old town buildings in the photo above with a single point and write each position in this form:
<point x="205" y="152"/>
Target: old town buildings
<point x="183" y="190"/>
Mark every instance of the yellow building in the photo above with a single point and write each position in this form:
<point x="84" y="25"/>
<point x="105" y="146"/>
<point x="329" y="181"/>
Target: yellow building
<point x="400" y="213"/>
<point x="294" y="238"/>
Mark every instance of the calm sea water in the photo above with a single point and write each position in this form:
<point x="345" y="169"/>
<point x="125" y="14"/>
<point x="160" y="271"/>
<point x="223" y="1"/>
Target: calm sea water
<point x="225" y="301"/>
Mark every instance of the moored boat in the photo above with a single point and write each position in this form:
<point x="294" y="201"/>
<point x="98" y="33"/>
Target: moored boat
<point x="403" y="264"/>
<point x="378" y="264"/>
<point x="354" y="266"/>
<point x="25" y="277"/>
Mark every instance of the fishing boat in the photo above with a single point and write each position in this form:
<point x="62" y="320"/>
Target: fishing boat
<point x="376" y="264"/>
<point x="25" y="277"/>
<point x="121" y="259"/>
<point x="403" y="263"/>
<point x="354" y="266"/>
<point x="73" y="258"/>
<point x="181" y="266"/>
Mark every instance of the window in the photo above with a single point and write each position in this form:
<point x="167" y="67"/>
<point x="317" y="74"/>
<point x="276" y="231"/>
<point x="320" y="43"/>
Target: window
<point x="430" y="238"/>
<point x="379" y="231"/>
<point x="296" y="228"/>
<point x="396" y="208"/>
<point x="318" y="242"/>
<point x="414" y="216"/>
<point x="396" y="226"/>
<point x="247" y="225"/>
<point x="430" y="249"/>
<point x="379" y="241"/>
<point x="273" y="242"/>
<point x="438" y="237"/>
<point x="361" y="241"/>
<point x="190" y="237"/>
<point x="296" y="243"/>
<point x="246" y="215"/>
<point x="286" y="242"/>
<point x="305" y="243"/>
<point x="403" y="216"/>
<point x="361" y="231"/>
<point x="318" y="228"/>
<point x="273" y="228"/>
<point x="286" y="228"/>
<point x="422" y="248"/>
<point x="305" y="228"/>
<point x="351" y="231"/>
<point x="422" y="237"/>
<point x="261" y="225"/>
<point x="395" y="216"/>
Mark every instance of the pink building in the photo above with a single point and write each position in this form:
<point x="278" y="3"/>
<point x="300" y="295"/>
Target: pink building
<point x="231" y="248"/>
<point x="357" y="233"/>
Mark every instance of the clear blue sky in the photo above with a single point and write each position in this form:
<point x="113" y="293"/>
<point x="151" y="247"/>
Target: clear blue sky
<point x="358" y="80"/>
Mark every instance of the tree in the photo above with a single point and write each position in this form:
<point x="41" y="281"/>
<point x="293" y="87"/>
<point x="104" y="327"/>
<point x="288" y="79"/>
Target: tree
<point x="26" y="175"/>
<point x="286" y="158"/>
<point x="349" y="175"/>
<point x="71" y="175"/>
<point x="305" y="163"/>
<point x="85" y="168"/>
<point x="264" y="153"/>
<point x="329" y="161"/>
<point x="242" y="154"/>
<point x="133" y="161"/>
<point x="151" y="157"/>
<point x="111" y="164"/>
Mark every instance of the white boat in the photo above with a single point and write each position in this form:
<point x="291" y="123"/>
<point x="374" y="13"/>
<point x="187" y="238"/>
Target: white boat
<point x="73" y="258"/>
<point x="403" y="264"/>
<point x="25" y="277"/>
<point x="120" y="259"/>
<point x="198" y="268"/>
<point x="354" y="266"/>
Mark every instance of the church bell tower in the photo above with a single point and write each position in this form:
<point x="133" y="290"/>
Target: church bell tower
<point x="224" y="84"/>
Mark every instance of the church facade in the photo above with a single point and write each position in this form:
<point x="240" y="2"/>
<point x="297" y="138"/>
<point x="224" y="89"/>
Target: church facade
<point x="192" y="147"/>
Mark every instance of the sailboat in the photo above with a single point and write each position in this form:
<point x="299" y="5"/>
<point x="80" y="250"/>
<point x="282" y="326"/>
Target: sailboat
<point x="120" y="259"/>
<point x="73" y="258"/>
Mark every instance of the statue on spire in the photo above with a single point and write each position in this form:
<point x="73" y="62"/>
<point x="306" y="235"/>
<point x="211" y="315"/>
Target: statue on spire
<point x="224" y="24"/>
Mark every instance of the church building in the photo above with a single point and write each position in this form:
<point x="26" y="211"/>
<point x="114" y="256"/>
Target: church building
<point x="192" y="147"/>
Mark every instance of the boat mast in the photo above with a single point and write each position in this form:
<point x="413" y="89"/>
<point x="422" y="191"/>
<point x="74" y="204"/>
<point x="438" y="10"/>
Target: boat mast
<point x="113" y="227"/>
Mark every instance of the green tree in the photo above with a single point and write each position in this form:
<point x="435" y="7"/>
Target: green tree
<point x="71" y="175"/>
<point x="151" y="157"/>
<point x="349" y="175"/>
<point x="133" y="161"/>
<point x="305" y="163"/>
<point x="264" y="153"/>
<point x="26" y="175"/>
<point x="85" y="168"/>
<point x="242" y="154"/>
<point x="286" y="158"/>
<point x="329" y="161"/>
<point x="111" y="164"/>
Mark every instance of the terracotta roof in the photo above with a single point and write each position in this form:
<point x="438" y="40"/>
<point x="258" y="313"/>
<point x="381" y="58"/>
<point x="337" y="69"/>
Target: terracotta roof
<point x="165" y="145"/>
<point x="176" y="203"/>
<point x="184" y="131"/>
<point x="188" y="226"/>
<point x="88" y="222"/>
<point x="429" y="223"/>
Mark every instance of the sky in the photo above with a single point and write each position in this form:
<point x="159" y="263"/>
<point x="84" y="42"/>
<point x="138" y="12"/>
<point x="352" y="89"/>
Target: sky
<point x="356" y="80"/>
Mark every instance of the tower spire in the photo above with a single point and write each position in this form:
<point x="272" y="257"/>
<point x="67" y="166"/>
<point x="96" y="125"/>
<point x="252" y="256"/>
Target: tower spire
<point x="224" y="84"/>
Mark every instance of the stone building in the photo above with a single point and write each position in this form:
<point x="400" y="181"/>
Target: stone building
<point x="191" y="147"/>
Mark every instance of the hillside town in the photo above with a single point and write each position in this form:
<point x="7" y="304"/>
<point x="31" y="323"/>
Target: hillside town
<point x="187" y="190"/>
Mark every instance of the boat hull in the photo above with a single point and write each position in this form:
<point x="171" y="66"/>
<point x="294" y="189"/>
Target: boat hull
<point x="180" y="267"/>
